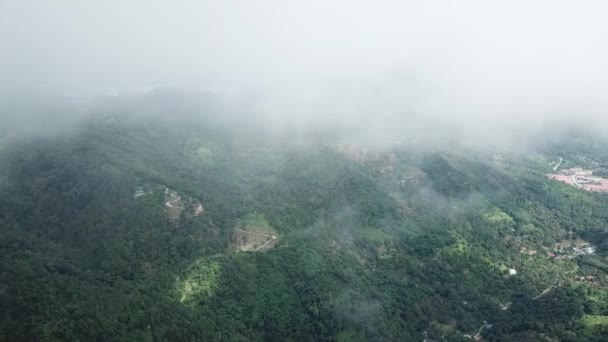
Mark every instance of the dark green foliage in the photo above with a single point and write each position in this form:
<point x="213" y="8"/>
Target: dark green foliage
<point x="363" y="253"/>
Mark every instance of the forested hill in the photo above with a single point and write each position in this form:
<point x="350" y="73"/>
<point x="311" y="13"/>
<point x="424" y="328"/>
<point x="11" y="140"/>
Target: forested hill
<point x="127" y="229"/>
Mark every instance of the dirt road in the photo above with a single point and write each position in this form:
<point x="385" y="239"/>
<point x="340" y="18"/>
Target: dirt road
<point x="169" y="203"/>
<point x="547" y="290"/>
<point x="558" y="164"/>
<point x="272" y="237"/>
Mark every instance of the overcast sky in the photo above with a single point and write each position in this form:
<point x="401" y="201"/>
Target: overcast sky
<point x="499" y="59"/>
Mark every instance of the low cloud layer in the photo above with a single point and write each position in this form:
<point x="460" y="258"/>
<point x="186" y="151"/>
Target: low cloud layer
<point x="469" y="66"/>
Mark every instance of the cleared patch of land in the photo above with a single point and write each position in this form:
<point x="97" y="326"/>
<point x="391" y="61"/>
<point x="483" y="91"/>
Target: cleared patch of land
<point x="253" y="234"/>
<point x="582" y="179"/>
<point x="175" y="204"/>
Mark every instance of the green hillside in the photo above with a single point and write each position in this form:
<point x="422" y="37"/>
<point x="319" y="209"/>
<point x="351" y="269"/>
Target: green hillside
<point x="101" y="238"/>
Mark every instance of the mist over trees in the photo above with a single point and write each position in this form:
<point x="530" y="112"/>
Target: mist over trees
<point x="291" y="171"/>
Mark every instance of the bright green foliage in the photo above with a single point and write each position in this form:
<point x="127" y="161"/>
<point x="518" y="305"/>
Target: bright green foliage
<point x="595" y="321"/>
<point x="199" y="281"/>
<point x="497" y="217"/>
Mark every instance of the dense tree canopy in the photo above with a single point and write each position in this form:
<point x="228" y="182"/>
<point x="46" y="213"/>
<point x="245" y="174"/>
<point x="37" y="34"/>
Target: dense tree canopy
<point x="372" y="244"/>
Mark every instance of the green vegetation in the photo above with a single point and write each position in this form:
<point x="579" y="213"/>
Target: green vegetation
<point x="204" y="154"/>
<point x="256" y="220"/>
<point x="404" y="246"/>
<point x="497" y="217"/>
<point x="595" y="321"/>
<point x="200" y="280"/>
<point x="373" y="235"/>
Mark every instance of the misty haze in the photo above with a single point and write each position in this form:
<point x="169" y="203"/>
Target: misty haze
<point x="303" y="171"/>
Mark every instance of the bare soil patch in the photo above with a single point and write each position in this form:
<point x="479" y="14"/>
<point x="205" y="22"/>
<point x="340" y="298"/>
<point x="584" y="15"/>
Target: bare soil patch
<point x="253" y="234"/>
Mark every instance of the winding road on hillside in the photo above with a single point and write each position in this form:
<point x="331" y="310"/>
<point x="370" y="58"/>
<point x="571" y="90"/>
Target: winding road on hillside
<point x="169" y="203"/>
<point x="478" y="334"/>
<point x="484" y="326"/>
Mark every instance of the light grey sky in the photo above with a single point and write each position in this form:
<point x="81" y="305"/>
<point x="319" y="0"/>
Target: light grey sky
<point x="506" y="60"/>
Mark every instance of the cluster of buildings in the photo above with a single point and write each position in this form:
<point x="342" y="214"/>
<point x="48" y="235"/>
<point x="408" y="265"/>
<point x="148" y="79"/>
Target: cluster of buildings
<point x="582" y="179"/>
<point x="571" y="248"/>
